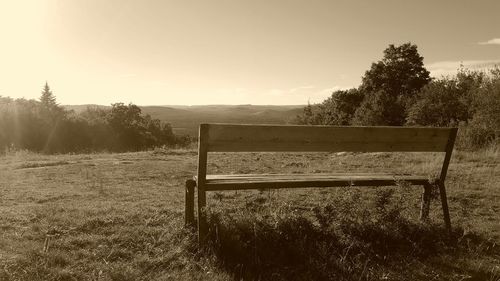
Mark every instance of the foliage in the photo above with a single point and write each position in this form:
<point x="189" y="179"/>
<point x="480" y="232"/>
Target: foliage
<point x="44" y="126"/>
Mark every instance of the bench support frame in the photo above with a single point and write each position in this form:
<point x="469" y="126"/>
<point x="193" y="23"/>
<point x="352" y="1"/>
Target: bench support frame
<point x="425" y="202"/>
<point x="201" y="179"/>
<point x="189" y="211"/>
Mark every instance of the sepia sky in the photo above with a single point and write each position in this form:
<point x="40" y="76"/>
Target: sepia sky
<point x="227" y="51"/>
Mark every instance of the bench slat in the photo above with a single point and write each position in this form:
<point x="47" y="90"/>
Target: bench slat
<point x="227" y="176"/>
<point x="269" y="138"/>
<point x="236" y="182"/>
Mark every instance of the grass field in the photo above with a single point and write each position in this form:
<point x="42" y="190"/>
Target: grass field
<point x="120" y="217"/>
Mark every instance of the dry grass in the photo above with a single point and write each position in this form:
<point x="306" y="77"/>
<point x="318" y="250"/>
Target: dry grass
<point x="120" y="217"/>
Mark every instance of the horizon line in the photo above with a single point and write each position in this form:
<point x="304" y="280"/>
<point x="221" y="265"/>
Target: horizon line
<point x="185" y="105"/>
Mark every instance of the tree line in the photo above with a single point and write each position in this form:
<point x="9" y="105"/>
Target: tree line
<point x="44" y="126"/>
<point x="398" y="91"/>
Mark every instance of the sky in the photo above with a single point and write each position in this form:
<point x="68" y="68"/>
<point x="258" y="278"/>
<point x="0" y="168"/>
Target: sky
<point x="186" y="52"/>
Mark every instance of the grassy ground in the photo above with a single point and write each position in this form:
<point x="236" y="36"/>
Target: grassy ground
<point x="120" y="217"/>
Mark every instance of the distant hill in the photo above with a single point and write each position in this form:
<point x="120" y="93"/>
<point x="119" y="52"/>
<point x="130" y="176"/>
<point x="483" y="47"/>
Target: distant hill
<point x="185" y="119"/>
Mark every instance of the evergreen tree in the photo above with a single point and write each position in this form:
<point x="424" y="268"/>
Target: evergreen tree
<point x="47" y="98"/>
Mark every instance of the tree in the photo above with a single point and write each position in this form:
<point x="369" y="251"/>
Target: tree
<point x="134" y="131"/>
<point x="399" y="76"/>
<point x="127" y="124"/>
<point x="340" y="107"/>
<point x="52" y="116"/>
<point x="50" y="111"/>
<point x="47" y="99"/>
<point x="380" y="108"/>
<point x="447" y="101"/>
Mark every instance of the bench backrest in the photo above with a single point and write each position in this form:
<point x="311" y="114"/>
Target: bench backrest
<point x="288" y="138"/>
<point x="269" y="138"/>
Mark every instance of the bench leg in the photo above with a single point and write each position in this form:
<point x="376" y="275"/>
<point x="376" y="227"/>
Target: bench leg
<point x="202" y="217"/>
<point x="189" y="211"/>
<point x="426" y="202"/>
<point x="444" y="203"/>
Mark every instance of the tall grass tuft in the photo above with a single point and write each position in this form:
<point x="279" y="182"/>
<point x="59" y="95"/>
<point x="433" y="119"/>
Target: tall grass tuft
<point x="343" y="239"/>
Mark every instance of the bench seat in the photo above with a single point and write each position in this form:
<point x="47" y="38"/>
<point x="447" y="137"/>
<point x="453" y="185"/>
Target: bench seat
<point x="257" y="181"/>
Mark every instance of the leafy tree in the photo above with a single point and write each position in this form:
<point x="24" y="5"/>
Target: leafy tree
<point x="399" y="76"/>
<point x="134" y="131"/>
<point x="340" y="107"/>
<point x="400" y="72"/>
<point x="127" y="124"/>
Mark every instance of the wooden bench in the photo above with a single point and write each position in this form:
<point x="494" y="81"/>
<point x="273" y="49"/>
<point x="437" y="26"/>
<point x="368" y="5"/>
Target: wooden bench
<point x="270" y="138"/>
